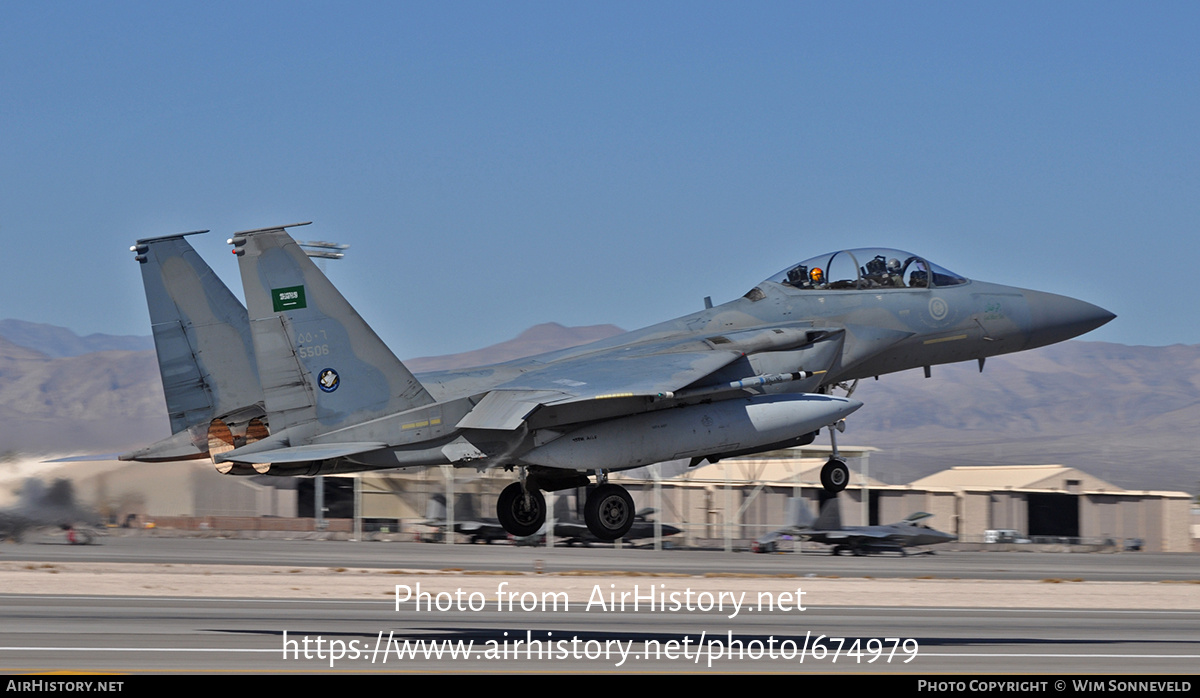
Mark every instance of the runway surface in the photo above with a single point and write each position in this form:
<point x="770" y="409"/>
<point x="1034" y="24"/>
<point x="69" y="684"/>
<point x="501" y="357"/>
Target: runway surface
<point x="231" y="620"/>
<point x="1113" y="567"/>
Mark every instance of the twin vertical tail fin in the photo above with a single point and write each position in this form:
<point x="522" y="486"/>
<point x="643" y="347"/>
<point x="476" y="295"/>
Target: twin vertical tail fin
<point x="318" y="362"/>
<point x="831" y="516"/>
<point x="798" y="514"/>
<point x="205" y="353"/>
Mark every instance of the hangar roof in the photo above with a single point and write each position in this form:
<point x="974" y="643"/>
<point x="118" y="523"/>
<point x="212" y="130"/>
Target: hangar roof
<point x="1045" y="477"/>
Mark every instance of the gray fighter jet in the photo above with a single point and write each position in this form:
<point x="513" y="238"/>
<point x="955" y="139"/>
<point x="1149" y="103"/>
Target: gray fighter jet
<point x="296" y="383"/>
<point x="466" y="520"/>
<point x="53" y="506"/>
<point x="858" y="540"/>
<point x="571" y="531"/>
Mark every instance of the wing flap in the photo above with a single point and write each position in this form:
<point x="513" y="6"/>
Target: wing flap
<point x="506" y="409"/>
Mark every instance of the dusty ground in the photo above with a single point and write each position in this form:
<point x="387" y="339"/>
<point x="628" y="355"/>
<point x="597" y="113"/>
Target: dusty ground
<point x="113" y="579"/>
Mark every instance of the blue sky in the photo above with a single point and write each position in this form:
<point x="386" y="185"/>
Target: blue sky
<point x="496" y="165"/>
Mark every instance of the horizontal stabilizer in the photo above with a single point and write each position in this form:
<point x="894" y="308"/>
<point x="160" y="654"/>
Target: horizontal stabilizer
<point x="301" y="454"/>
<point x="85" y="459"/>
<point x="181" y="446"/>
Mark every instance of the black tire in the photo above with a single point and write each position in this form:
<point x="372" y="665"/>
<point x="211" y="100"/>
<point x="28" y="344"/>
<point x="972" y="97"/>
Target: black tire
<point x="517" y="516"/>
<point x="609" y="512"/>
<point x="835" y="475"/>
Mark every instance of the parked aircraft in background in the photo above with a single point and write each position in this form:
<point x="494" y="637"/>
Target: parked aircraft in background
<point x="466" y="520"/>
<point x="570" y="530"/>
<point x="40" y="506"/>
<point x="858" y="540"/>
<point x="296" y="383"/>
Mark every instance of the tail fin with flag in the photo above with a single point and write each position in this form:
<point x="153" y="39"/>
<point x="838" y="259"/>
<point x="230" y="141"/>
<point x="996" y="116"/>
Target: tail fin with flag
<point x="318" y="361"/>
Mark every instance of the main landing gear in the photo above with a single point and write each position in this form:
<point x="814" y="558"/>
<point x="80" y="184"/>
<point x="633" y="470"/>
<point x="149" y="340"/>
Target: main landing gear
<point x="608" y="513"/>
<point x="521" y="510"/>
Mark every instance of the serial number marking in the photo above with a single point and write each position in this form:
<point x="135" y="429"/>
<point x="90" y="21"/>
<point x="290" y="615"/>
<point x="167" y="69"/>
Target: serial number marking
<point x="313" y="351"/>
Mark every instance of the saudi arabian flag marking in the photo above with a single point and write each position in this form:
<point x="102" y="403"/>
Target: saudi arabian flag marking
<point x="290" y="298"/>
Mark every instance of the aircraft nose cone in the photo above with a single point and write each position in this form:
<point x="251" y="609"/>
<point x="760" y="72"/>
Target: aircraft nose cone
<point x="1057" y="318"/>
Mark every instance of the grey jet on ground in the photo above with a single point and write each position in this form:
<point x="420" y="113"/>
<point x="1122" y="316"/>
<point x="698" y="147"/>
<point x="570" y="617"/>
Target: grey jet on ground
<point x="40" y="506"/>
<point x="571" y="531"/>
<point x="568" y="528"/>
<point x="466" y="520"/>
<point x="296" y="383"/>
<point x="858" y="540"/>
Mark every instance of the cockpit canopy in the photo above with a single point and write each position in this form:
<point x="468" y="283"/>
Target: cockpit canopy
<point x="866" y="268"/>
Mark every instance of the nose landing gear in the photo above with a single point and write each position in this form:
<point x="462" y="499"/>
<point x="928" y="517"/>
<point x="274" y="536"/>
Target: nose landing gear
<point x="835" y="474"/>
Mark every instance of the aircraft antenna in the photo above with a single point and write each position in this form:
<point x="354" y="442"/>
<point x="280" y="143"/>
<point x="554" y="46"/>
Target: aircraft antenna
<point x="321" y="250"/>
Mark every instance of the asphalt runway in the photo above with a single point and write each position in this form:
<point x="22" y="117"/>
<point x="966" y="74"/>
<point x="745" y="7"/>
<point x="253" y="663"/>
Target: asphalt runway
<point x="154" y="634"/>
<point x="233" y="626"/>
<point x="1110" y="567"/>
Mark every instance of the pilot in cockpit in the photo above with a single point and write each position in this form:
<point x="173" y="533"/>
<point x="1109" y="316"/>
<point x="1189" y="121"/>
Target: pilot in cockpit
<point x="883" y="272"/>
<point x="798" y="276"/>
<point x="801" y="277"/>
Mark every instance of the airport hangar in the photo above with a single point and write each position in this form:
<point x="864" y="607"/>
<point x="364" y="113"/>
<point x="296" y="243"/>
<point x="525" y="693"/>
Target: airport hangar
<point x="726" y="504"/>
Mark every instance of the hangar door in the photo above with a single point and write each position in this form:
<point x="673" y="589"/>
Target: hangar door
<point x="1054" y="515"/>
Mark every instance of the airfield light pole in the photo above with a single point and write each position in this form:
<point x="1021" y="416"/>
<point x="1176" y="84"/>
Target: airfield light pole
<point x="655" y="472"/>
<point x="322" y="251"/>
<point x="865" y="473"/>
<point x="448" y="474"/>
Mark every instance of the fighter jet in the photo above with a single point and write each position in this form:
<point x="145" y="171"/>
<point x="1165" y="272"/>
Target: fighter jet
<point x="466" y="520"/>
<point x="303" y="386"/>
<point x="571" y="531"/>
<point x="40" y="506"/>
<point x="858" y="540"/>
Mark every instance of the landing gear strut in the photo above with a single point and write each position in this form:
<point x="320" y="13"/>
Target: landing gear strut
<point x="521" y="510"/>
<point x="835" y="475"/>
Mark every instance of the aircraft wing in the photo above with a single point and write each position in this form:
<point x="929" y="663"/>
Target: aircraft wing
<point x="853" y="535"/>
<point x="574" y="386"/>
<point x="617" y="375"/>
<point x="573" y="530"/>
<point x="868" y="538"/>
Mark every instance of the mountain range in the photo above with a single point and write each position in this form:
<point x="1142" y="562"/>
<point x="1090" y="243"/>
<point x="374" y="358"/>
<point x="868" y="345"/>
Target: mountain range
<point x="1128" y="414"/>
